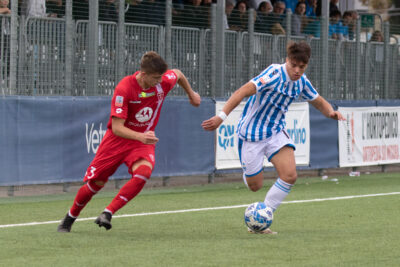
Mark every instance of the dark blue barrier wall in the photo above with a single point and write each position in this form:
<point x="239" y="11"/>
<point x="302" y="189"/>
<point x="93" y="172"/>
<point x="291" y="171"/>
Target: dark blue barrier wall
<point x="184" y="147"/>
<point x="53" y="139"/>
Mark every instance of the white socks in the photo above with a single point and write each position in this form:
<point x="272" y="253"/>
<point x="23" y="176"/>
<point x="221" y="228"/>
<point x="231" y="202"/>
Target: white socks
<point x="277" y="193"/>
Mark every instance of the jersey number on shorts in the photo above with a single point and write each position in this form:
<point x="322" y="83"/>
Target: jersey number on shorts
<point x="92" y="170"/>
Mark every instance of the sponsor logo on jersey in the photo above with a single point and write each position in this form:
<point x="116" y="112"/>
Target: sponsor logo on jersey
<point x="144" y="94"/>
<point x="118" y="110"/>
<point x="119" y="101"/>
<point x="144" y="114"/>
<point x="139" y="124"/>
<point x="264" y="79"/>
<point x="135" y="102"/>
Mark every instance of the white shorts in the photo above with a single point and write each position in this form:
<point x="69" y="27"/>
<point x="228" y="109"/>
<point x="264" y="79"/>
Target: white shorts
<point x="252" y="154"/>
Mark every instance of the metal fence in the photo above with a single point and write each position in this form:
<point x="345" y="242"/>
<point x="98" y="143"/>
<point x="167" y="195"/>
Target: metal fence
<point x="356" y="69"/>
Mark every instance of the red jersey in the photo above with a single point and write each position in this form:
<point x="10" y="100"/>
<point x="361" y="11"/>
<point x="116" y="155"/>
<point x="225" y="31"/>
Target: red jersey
<point x="138" y="107"/>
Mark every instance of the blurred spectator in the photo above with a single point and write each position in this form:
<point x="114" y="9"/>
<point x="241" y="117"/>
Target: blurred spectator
<point x="178" y="4"/>
<point x="4" y="7"/>
<point x="313" y="28"/>
<point x="279" y="7"/>
<point x="80" y="9"/>
<point x="377" y="36"/>
<point x="229" y="6"/>
<point x="265" y="7"/>
<point x="335" y="25"/>
<point x="154" y="12"/>
<point x="311" y="8"/>
<point x="349" y="25"/>
<point x="275" y="19"/>
<point x="5" y="38"/>
<point x="353" y="24"/>
<point x="333" y="7"/>
<point x="55" y="8"/>
<point x="134" y="12"/>
<point x="297" y="18"/>
<point x="34" y="8"/>
<point x="255" y="4"/>
<point x="239" y="18"/>
<point x="108" y="11"/>
<point x="263" y="11"/>
<point x="194" y="15"/>
<point x="207" y="3"/>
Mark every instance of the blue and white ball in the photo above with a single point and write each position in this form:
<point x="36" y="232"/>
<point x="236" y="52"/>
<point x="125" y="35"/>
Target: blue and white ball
<point x="258" y="216"/>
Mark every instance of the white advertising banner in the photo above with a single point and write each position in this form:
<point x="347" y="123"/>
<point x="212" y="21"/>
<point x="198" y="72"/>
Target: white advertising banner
<point x="297" y="126"/>
<point x="369" y="136"/>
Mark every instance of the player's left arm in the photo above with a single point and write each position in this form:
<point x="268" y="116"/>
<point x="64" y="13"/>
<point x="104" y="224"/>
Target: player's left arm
<point x="326" y="109"/>
<point x="183" y="82"/>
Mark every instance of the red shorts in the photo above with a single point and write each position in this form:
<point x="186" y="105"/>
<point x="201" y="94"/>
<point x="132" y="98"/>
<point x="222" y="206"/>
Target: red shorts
<point x="112" y="152"/>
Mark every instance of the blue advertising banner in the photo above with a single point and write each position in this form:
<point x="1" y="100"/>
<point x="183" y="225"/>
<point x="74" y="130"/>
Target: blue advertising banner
<point x="54" y="139"/>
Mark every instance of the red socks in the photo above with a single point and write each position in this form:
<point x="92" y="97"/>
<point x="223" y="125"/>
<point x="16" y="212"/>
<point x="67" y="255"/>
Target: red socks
<point x="131" y="188"/>
<point x="84" y="195"/>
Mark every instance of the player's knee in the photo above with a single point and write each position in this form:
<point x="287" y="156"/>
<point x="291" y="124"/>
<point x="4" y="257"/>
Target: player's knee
<point x="254" y="185"/>
<point x="142" y="172"/>
<point x="290" y="177"/>
<point x="95" y="186"/>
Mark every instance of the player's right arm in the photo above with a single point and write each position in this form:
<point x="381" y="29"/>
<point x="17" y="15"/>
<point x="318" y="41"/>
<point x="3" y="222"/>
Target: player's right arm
<point x="119" y="129"/>
<point x="246" y="90"/>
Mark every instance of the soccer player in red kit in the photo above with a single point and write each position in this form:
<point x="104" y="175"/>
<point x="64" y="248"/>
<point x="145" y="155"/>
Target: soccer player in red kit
<point x="130" y="137"/>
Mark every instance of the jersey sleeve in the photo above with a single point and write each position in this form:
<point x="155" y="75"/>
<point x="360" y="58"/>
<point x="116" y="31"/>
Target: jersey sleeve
<point x="308" y="93"/>
<point x="120" y="101"/>
<point x="267" y="79"/>
<point x="170" y="79"/>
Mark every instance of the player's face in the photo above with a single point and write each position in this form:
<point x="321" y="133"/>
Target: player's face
<point x="152" y="79"/>
<point x="295" y="69"/>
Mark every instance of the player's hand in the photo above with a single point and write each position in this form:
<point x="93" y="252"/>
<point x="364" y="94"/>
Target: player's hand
<point x="212" y="123"/>
<point x="195" y="99"/>
<point x="149" y="138"/>
<point x="336" y="115"/>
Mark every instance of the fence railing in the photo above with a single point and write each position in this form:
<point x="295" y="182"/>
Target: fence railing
<point x="356" y="70"/>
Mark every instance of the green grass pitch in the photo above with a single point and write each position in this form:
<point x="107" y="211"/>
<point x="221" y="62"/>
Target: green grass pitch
<point x="363" y="231"/>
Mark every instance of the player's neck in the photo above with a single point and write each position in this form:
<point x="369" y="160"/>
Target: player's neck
<point x="141" y="82"/>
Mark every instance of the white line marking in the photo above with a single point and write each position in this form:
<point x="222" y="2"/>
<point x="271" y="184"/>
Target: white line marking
<point x="203" y="209"/>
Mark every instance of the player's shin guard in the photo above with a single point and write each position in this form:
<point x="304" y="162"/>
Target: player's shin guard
<point x="277" y="193"/>
<point x="84" y="195"/>
<point x="130" y="189"/>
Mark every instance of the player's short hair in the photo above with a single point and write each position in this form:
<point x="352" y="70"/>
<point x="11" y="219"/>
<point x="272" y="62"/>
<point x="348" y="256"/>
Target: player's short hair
<point x="152" y="62"/>
<point x="299" y="51"/>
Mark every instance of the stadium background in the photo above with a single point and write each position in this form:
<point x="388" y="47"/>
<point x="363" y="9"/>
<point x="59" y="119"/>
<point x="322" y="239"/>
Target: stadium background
<point x="58" y="73"/>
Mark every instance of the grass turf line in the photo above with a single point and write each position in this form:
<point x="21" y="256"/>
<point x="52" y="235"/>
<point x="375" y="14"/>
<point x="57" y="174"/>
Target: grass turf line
<point x="354" y="232"/>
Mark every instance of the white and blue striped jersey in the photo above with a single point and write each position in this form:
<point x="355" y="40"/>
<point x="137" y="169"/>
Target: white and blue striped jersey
<point x="264" y="112"/>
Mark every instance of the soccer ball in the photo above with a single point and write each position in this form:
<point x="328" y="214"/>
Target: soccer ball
<point x="258" y="216"/>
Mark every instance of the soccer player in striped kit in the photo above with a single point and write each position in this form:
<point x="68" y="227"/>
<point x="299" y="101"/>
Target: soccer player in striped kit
<point x="130" y="137"/>
<point x="261" y="128"/>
